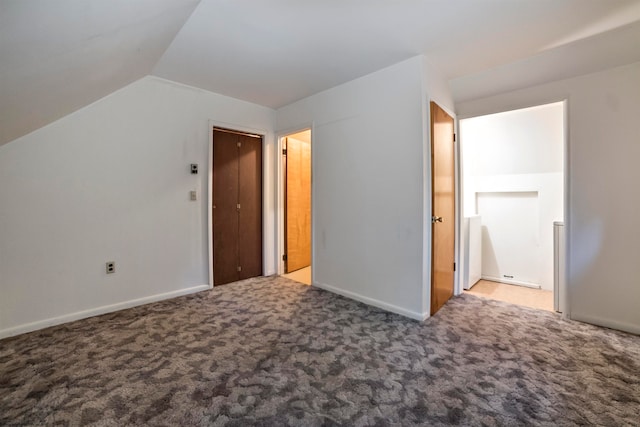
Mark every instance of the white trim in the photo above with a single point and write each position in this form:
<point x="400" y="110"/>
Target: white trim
<point x="427" y="187"/>
<point x="565" y="308"/>
<point x="457" y="282"/>
<point x="510" y="281"/>
<point x="280" y="205"/>
<point x="209" y="226"/>
<point x="606" y="323"/>
<point x="374" y="302"/>
<point x="268" y="258"/>
<point x="280" y="197"/>
<point x="53" y="321"/>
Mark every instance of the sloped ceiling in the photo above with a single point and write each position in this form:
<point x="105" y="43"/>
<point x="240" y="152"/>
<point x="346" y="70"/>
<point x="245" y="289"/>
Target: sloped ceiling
<point x="595" y="53"/>
<point x="278" y="51"/>
<point x="57" y="56"/>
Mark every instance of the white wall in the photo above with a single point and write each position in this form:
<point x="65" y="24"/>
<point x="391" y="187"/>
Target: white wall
<point x="517" y="153"/>
<point x="603" y="236"/>
<point x="436" y="87"/>
<point x="111" y="182"/>
<point x="368" y="186"/>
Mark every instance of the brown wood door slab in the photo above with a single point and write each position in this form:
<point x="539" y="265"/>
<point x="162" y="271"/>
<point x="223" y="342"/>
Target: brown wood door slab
<point x="237" y="206"/>
<point x="443" y="205"/>
<point x="225" y="211"/>
<point x="298" y="205"/>
<point x="250" y="199"/>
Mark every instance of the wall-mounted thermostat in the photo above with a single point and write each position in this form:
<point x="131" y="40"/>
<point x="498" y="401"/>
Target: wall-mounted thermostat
<point x="194" y="168"/>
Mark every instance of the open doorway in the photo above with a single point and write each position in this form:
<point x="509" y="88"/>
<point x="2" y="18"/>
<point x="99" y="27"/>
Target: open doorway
<point x="296" y="206"/>
<point x="512" y="176"/>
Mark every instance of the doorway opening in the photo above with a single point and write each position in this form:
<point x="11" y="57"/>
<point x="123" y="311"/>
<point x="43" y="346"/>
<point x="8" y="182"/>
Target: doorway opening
<point x="236" y="206"/>
<point x="513" y="198"/>
<point x="295" y="206"/>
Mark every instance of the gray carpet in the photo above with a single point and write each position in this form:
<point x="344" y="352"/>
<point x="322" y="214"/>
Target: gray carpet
<point x="269" y="351"/>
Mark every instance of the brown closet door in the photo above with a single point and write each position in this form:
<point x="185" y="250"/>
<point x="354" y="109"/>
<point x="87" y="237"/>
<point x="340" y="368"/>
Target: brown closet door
<point x="225" y="210"/>
<point x="250" y="199"/>
<point x="237" y="207"/>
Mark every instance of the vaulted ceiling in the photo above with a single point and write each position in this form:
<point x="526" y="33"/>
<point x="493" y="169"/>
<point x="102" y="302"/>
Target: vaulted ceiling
<point x="58" y="56"/>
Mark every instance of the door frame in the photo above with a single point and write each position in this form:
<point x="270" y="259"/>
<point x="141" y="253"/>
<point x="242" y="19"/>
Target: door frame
<point x="427" y="237"/>
<point x="267" y="215"/>
<point x="428" y="211"/>
<point x="280" y="197"/>
<point x="565" y="306"/>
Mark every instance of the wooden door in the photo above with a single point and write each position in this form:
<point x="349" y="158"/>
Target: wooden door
<point x="443" y="205"/>
<point x="225" y="211"/>
<point x="297" y="204"/>
<point x="236" y="206"/>
<point x="250" y="212"/>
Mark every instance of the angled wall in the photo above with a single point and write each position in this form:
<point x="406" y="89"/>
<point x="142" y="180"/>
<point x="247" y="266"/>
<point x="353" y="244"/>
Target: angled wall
<point x="110" y="182"/>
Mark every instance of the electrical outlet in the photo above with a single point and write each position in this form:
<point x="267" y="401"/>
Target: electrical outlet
<point x="193" y="195"/>
<point x="111" y="267"/>
<point x="194" y="168"/>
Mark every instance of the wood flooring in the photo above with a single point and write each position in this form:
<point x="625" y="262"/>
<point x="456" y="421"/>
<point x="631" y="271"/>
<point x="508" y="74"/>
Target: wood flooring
<point x="520" y="295"/>
<point x="302" y="276"/>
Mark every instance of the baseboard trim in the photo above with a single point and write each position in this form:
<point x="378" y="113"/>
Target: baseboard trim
<point x="373" y="302"/>
<point x="511" y="282"/>
<point x="53" y="321"/>
<point x="607" y="323"/>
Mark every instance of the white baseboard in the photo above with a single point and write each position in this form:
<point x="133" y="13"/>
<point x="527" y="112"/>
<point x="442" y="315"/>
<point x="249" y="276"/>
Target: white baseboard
<point x="607" y="323"/>
<point x="41" y="324"/>
<point x="511" y="282"/>
<point x="374" y="302"/>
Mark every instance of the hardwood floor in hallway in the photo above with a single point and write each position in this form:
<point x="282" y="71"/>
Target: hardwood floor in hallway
<point x="520" y="295"/>
<point x="303" y="275"/>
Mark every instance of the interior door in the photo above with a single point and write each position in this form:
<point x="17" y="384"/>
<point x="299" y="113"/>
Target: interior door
<point x="250" y="212"/>
<point x="236" y="206"/>
<point x="297" y="204"/>
<point x="443" y="205"/>
<point x="225" y="210"/>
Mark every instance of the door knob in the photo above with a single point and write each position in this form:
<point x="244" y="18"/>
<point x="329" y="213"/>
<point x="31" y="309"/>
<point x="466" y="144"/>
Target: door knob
<point x="436" y="219"/>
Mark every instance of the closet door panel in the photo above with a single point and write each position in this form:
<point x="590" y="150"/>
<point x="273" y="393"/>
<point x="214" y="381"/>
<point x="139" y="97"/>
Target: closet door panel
<point x="250" y="199"/>
<point x="225" y="211"/>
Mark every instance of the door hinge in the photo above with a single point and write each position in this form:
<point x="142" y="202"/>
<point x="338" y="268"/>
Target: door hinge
<point x="454" y="266"/>
<point x="238" y="206"/>
<point x="284" y="151"/>
<point x="284" y="257"/>
<point x="239" y="268"/>
<point x="454" y="137"/>
<point x="239" y="144"/>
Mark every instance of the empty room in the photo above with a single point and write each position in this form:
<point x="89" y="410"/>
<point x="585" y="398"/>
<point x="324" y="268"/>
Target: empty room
<point x="218" y="212"/>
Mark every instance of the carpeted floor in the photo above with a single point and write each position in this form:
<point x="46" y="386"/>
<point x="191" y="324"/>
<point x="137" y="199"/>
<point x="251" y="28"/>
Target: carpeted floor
<point x="269" y="351"/>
